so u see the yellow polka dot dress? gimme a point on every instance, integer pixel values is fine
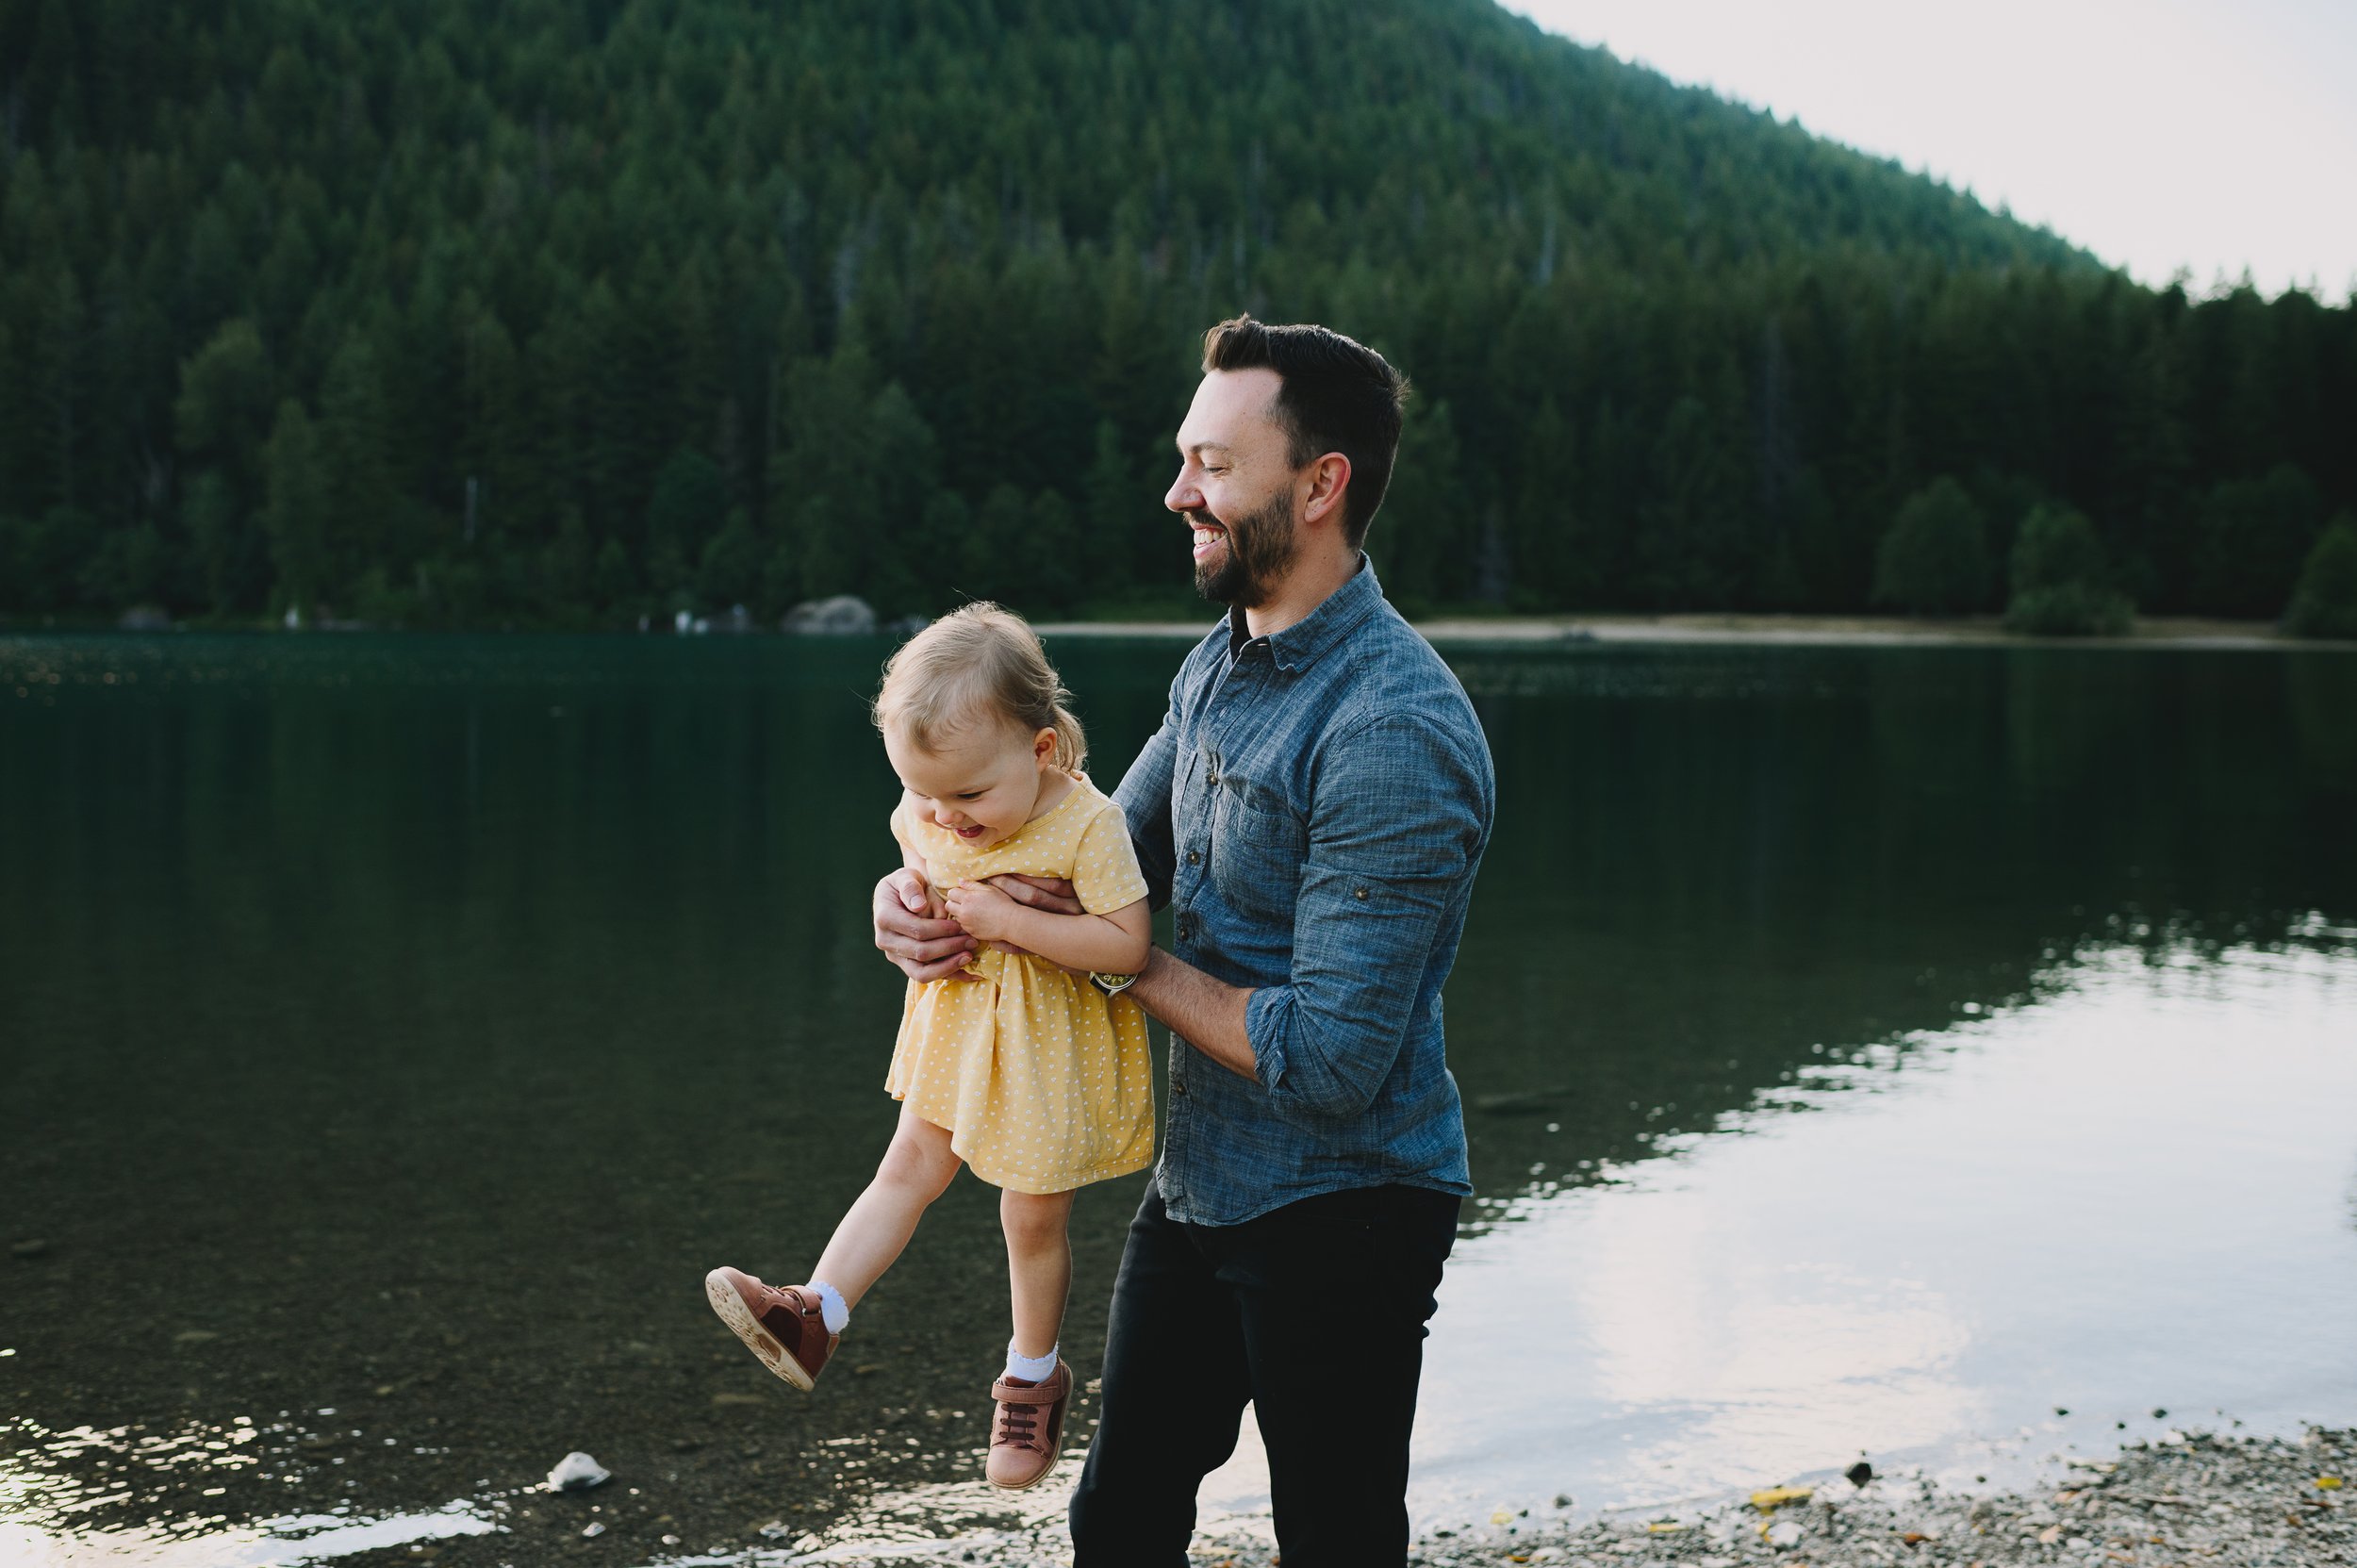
(1042, 1081)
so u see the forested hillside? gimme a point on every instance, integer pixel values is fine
(563, 312)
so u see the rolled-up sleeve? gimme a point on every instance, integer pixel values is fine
(1399, 813)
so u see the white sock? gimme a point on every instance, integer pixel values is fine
(1032, 1369)
(831, 1306)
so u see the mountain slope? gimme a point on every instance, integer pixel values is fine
(575, 312)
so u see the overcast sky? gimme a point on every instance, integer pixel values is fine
(2159, 134)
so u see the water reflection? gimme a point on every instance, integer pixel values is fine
(407, 1007)
(1808, 853)
(2064, 1207)
(58, 1480)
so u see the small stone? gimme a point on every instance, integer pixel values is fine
(578, 1472)
(1860, 1473)
(32, 1247)
(591, 1532)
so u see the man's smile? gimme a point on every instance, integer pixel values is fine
(1208, 536)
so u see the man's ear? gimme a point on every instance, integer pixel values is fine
(1330, 482)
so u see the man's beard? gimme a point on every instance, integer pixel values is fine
(1258, 550)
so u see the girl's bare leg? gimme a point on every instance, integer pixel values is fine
(916, 1168)
(1039, 1264)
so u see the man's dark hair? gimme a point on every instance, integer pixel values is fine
(1338, 396)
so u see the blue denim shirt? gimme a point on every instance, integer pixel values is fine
(1314, 807)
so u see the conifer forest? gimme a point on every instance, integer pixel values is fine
(564, 313)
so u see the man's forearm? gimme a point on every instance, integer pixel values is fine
(1205, 1012)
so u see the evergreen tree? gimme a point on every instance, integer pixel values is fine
(2325, 602)
(1423, 538)
(1935, 558)
(730, 571)
(2252, 535)
(2061, 581)
(295, 515)
(689, 504)
(353, 443)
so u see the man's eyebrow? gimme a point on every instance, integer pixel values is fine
(1200, 447)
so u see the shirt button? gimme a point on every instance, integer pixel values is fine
(1357, 891)
(1194, 857)
(1210, 780)
(1178, 1088)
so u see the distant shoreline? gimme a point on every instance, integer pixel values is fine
(1697, 628)
(1736, 629)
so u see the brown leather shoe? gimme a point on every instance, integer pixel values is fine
(1026, 1434)
(780, 1323)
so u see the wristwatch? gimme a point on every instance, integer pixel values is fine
(1112, 985)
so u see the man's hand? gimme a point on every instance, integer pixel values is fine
(921, 946)
(1052, 894)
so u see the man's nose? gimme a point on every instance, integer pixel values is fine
(1182, 496)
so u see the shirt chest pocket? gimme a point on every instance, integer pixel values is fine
(1258, 847)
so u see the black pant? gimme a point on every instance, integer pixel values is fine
(1315, 1312)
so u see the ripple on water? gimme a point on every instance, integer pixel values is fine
(62, 1494)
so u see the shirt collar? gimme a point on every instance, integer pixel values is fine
(1312, 637)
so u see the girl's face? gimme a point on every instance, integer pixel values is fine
(983, 782)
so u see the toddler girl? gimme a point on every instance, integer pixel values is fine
(1021, 1066)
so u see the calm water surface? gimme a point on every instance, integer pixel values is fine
(1881, 1051)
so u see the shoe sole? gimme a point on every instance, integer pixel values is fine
(1055, 1445)
(1026, 1486)
(760, 1341)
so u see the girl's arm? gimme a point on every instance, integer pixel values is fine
(1113, 943)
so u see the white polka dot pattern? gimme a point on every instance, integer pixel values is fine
(1044, 1083)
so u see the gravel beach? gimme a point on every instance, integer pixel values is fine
(2190, 1498)
(2206, 1498)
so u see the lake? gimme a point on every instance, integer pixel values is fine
(1943, 1054)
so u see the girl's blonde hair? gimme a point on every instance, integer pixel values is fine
(977, 662)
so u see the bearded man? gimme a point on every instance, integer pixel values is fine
(1313, 809)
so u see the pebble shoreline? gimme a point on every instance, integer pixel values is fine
(2194, 1498)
